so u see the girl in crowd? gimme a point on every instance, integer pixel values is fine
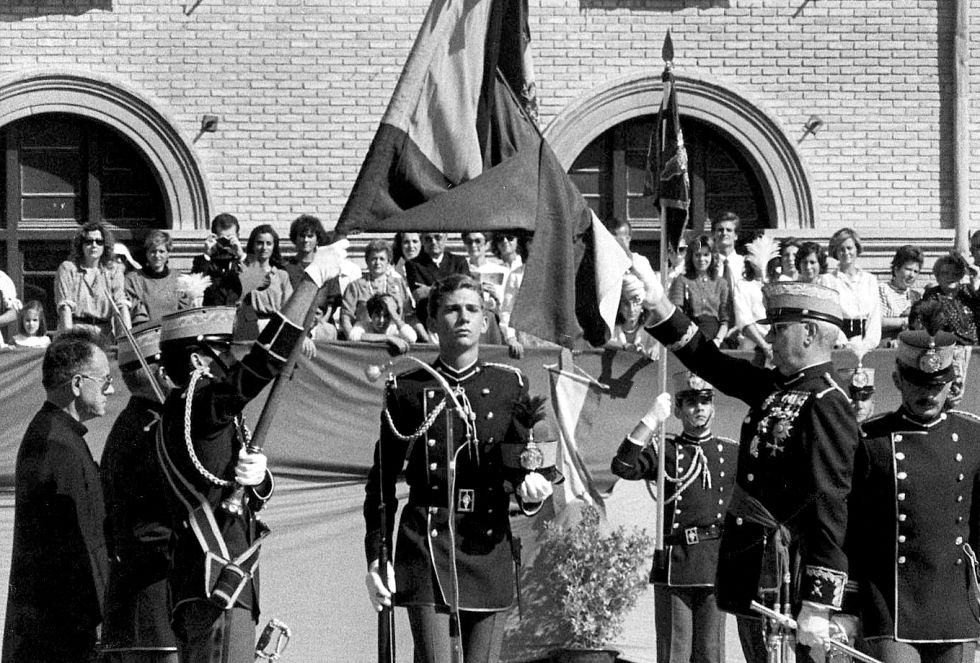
(811, 262)
(87, 285)
(263, 250)
(32, 329)
(858, 292)
(897, 295)
(702, 293)
(788, 250)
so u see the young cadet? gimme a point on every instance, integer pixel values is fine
(414, 429)
(700, 472)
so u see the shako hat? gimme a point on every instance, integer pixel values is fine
(796, 301)
(196, 325)
(924, 359)
(687, 382)
(857, 378)
(147, 337)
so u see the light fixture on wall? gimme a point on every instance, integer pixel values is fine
(209, 124)
(813, 124)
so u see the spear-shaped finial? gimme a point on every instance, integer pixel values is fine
(668, 49)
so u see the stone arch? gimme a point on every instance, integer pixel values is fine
(172, 157)
(759, 137)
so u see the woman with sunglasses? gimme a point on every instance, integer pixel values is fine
(90, 282)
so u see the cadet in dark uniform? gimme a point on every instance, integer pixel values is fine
(202, 450)
(414, 427)
(915, 515)
(795, 460)
(700, 477)
(137, 621)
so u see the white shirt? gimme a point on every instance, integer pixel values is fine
(859, 299)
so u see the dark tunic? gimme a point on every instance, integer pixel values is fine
(914, 508)
(796, 456)
(693, 519)
(138, 533)
(216, 442)
(59, 564)
(483, 536)
(422, 270)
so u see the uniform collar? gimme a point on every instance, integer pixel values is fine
(816, 370)
(917, 424)
(685, 438)
(454, 375)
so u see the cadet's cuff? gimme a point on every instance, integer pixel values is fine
(823, 586)
(279, 337)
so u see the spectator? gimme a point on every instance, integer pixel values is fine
(124, 259)
(491, 272)
(263, 250)
(380, 279)
(629, 334)
(702, 293)
(306, 232)
(153, 290)
(33, 327)
(511, 246)
(9, 304)
(623, 233)
(788, 250)
(956, 300)
(431, 265)
(407, 246)
(222, 262)
(811, 262)
(729, 264)
(858, 292)
(84, 284)
(749, 304)
(897, 295)
(384, 323)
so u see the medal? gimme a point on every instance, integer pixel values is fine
(532, 457)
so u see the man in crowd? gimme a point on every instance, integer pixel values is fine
(915, 519)
(222, 261)
(795, 461)
(724, 231)
(205, 455)
(59, 563)
(137, 618)
(426, 268)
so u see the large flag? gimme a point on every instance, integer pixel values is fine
(667, 176)
(457, 151)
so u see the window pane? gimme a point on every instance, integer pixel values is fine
(40, 208)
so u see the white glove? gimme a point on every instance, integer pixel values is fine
(653, 292)
(813, 629)
(379, 594)
(534, 488)
(327, 262)
(250, 470)
(658, 413)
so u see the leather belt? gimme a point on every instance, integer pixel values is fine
(854, 327)
(692, 536)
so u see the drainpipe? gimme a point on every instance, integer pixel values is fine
(961, 127)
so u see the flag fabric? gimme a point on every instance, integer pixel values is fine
(457, 151)
(667, 176)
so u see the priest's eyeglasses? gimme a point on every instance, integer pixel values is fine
(106, 382)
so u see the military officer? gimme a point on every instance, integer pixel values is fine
(796, 456)
(915, 515)
(415, 428)
(860, 383)
(700, 477)
(137, 621)
(203, 452)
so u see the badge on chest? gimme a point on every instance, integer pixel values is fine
(779, 413)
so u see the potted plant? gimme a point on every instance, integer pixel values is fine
(594, 577)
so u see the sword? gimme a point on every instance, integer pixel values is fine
(790, 623)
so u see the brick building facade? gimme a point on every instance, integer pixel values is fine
(117, 89)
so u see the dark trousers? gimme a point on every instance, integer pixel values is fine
(752, 636)
(208, 634)
(690, 627)
(482, 634)
(887, 650)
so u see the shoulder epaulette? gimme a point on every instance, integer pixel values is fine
(507, 367)
(726, 440)
(833, 387)
(968, 415)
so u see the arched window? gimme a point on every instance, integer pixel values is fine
(60, 171)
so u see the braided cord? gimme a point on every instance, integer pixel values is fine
(188, 399)
(422, 429)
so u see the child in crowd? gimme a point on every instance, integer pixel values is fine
(384, 322)
(32, 327)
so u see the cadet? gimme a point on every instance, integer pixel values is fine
(203, 452)
(413, 428)
(915, 519)
(700, 476)
(137, 620)
(796, 456)
(860, 384)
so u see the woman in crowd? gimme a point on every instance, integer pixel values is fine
(152, 290)
(263, 250)
(811, 262)
(88, 284)
(858, 292)
(629, 333)
(897, 295)
(32, 329)
(788, 249)
(956, 301)
(379, 280)
(510, 246)
(306, 232)
(407, 246)
(702, 293)
(749, 305)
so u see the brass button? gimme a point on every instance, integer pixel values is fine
(677, 525)
(902, 476)
(902, 517)
(680, 456)
(720, 447)
(901, 559)
(721, 460)
(899, 456)
(489, 415)
(955, 436)
(431, 394)
(721, 503)
(959, 498)
(434, 533)
(959, 562)
(433, 510)
(677, 511)
(959, 458)
(489, 532)
(739, 521)
(433, 466)
(718, 516)
(958, 541)
(901, 497)
(485, 391)
(898, 438)
(750, 477)
(721, 474)
(959, 519)
(721, 489)
(959, 477)
(901, 538)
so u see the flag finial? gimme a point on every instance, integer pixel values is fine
(668, 49)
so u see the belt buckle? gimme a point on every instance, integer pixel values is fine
(691, 536)
(466, 501)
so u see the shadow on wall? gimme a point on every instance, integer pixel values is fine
(660, 6)
(19, 10)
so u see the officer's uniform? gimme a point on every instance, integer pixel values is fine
(480, 499)
(137, 620)
(915, 520)
(214, 606)
(700, 477)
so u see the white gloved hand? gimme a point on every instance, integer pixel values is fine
(327, 262)
(813, 629)
(250, 470)
(534, 488)
(379, 594)
(658, 413)
(653, 292)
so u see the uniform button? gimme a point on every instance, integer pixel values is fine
(721, 503)
(721, 474)
(901, 559)
(959, 498)
(955, 436)
(959, 458)
(677, 525)
(489, 415)
(902, 517)
(434, 533)
(899, 456)
(431, 442)
(959, 519)
(739, 521)
(902, 475)
(433, 466)
(680, 456)
(901, 538)
(747, 420)
(720, 448)
(959, 562)
(901, 497)
(721, 489)
(898, 438)
(718, 516)
(434, 487)
(721, 460)
(489, 532)
(750, 477)
(432, 394)
(485, 391)
(958, 541)
(677, 511)
(680, 498)
(489, 510)
(433, 510)
(959, 477)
